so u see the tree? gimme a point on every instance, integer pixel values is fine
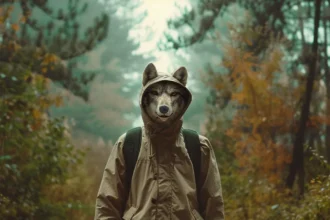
(297, 164)
(59, 33)
(34, 149)
(114, 91)
(284, 19)
(255, 149)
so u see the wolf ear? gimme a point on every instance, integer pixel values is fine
(182, 75)
(149, 73)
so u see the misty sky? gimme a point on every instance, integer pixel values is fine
(152, 29)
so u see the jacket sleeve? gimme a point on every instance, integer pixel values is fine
(110, 201)
(210, 194)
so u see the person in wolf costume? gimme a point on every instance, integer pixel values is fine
(163, 184)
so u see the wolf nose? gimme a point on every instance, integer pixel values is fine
(163, 109)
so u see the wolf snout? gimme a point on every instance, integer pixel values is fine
(164, 109)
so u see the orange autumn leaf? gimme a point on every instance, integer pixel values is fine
(36, 113)
(49, 59)
(44, 70)
(15, 27)
(23, 19)
(58, 101)
(263, 106)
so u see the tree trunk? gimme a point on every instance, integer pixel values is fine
(301, 25)
(327, 127)
(327, 85)
(297, 164)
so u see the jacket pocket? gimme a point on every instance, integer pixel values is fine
(129, 214)
(197, 215)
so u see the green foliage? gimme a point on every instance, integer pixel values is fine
(254, 139)
(78, 193)
(315, 205)
(108, 116)
(34, 150)
(249, 198)
(57, 28)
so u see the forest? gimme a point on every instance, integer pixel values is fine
(259, 72)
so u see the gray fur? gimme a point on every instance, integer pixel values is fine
(182, 75)
(149, 73)
(167, 94)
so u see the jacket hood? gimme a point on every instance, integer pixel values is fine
(151, 77)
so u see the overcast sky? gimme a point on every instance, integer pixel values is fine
(152, 29)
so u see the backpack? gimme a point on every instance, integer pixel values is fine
(132, 146)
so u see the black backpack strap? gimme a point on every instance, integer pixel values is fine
(131, 149)
(192, 143)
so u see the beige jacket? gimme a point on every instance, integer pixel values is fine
(163, 183)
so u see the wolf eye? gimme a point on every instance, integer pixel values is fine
(174, 93)
(153, 92)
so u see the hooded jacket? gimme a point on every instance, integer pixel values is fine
(163, 182)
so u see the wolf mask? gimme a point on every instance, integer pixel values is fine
(164, 99)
